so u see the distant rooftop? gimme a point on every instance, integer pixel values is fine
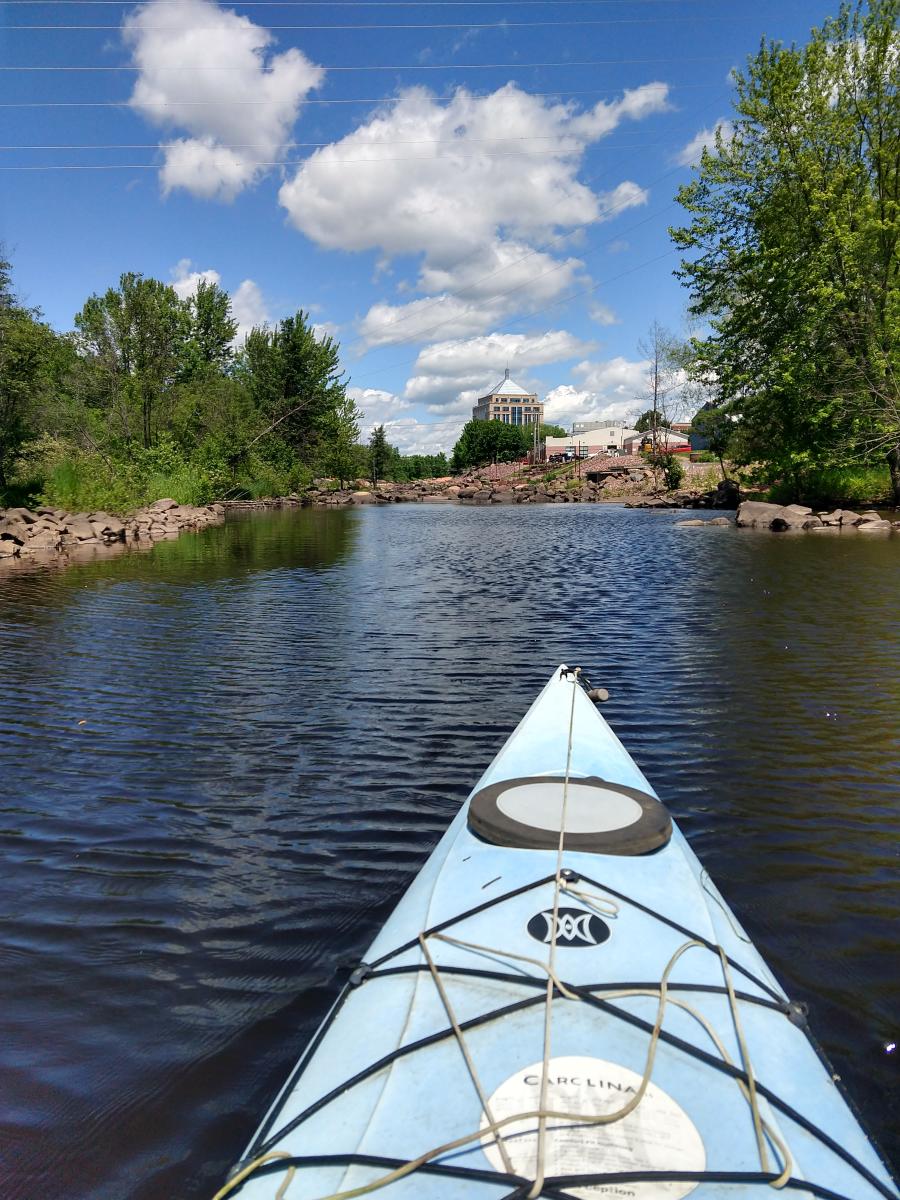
(508, 387)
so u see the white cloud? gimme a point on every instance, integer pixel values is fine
(412, 436)
(705, 139)
(609, 390)
(186, 281)
(204, 70)
(449, 376)
(324, 329)
(248, 308)
(472, 295)
(465, 186)
(377, 407)
(603, 314)
(465, 200)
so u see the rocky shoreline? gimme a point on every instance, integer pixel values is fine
(44, 531)
(29, 533)
(779, 518)
(622, 485)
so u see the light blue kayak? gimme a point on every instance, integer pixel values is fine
(561, 1005)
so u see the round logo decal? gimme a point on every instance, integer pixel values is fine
(574, 927)
(657, 1136)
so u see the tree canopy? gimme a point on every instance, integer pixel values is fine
(792, 249)
(482, 442)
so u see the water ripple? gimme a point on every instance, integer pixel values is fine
(222, 761)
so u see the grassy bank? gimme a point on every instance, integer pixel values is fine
(835, 486)
(54, 473)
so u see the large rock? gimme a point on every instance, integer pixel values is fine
(728, 494)
(42, 542)
(362, 498)
(878, 526)
(756, 514)
(162, 505)
(8, 547)
(23, 515)
(504, 497)
(13, 529)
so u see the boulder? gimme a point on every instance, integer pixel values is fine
(689, 524)
(23, 515)
(78, 529)
(878, 526)
(467, 493)
(727, 494)
(718, 521)
(362, 498)
(8, 548)
(17, 531)
(162, 505)
(42, 541)
(756, 514)
(504, 498)
(832, 518)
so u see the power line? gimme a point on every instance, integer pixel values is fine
(518, 66)
(381, 25)
(343, 100)
(288, 162)
(361, 3)
(467, 141)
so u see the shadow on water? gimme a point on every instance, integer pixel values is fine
(223, 760)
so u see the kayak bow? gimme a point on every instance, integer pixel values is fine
(561, 1005)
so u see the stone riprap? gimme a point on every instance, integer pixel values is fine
(755, 514)
(530, 486)
(28, 532)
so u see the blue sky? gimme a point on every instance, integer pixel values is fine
(484, 184)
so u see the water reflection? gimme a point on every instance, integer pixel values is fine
(223, 760)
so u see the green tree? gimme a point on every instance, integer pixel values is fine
(645, 421)
(482, 442)
(209, 348)
(717, 428)
(294, 379)
(793, 249)
(553, 431)
(342, 456)
(30, 359)
(134, 337)
(379, 454)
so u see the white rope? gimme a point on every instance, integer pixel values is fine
(461, 1042)
(538, 1184)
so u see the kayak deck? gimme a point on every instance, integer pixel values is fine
(442, 1037)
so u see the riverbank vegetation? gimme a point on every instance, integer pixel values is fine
(149, 396)
(792, 255)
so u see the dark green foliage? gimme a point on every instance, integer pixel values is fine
(483, 442)
(408, 467)
(644, 423)
(379, 454)
(717, 427)
(793, 251)
(147, 399)
(211, 332)
(553, 431)
(669, 466)
(31, 362)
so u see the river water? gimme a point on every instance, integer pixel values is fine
(222, 761)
